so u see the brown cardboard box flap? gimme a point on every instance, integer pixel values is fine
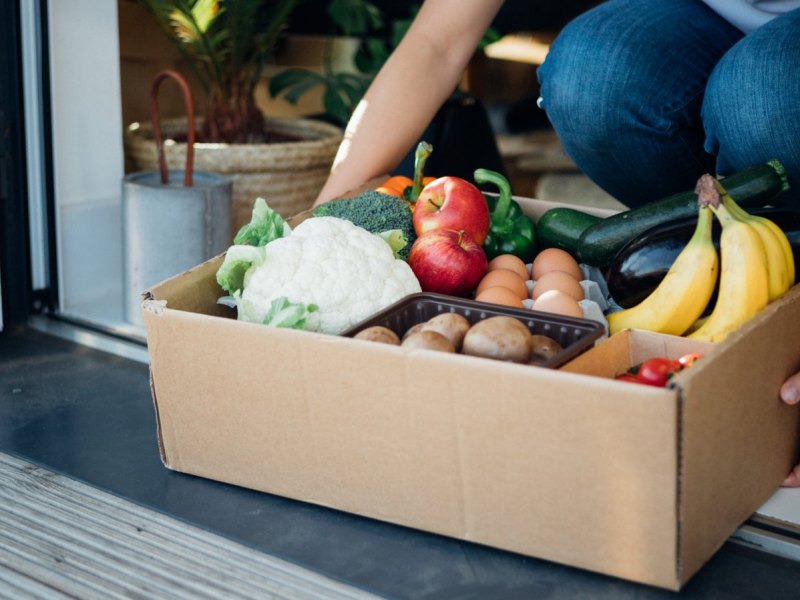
(738, 440)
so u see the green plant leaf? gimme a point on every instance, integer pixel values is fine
(371, 54)
(293, 95)
(204, 13)
(351, 86)
(297, 81)
(288, 78)
(490, 37)
(401, 26)
(355, 17)
(335, 106)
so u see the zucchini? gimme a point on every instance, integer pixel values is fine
(641, 265)
(562, 227)
(753, 187)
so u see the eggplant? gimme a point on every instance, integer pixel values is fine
(642, 263)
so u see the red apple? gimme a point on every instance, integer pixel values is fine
(452, 203)
(448, 262)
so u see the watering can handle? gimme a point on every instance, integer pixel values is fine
(187, 97)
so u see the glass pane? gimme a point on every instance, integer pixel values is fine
(88, 159)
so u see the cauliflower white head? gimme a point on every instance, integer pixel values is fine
(342, 271)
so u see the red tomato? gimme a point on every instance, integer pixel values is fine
(657, 371)
(629, 377)
(689, 359)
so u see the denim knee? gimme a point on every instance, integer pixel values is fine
(569, 80)
(751, 111)
(623, 85)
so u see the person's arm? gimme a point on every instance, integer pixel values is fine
(411, 86)
(790, 393)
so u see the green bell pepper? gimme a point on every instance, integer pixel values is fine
(511, 231)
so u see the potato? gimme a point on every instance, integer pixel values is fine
(378, 333)
(451, 325)
(413, 329)
(501, 338)
(543, 348)
(428, 340)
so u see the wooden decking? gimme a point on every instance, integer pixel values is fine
(60, 538)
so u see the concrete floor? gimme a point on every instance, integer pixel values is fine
(88, 416)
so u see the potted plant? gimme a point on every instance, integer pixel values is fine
(226, 44)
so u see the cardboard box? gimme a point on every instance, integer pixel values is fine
(566, 465)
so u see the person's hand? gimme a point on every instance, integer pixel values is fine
(410, 87)
(790, 393)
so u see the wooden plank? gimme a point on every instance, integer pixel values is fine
(62, 538)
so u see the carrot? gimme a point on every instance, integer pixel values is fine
(395, 185)
(404, 187)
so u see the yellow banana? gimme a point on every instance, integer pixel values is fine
(696, 325)
(744, 282)
(780, 260)
(683, 294)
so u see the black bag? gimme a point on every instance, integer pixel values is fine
(462, 138)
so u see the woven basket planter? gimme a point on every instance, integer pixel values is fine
(287, 175)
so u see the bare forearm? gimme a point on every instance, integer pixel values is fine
(413, 84)
(386, 123)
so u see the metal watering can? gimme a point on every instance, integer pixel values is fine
(169, 227)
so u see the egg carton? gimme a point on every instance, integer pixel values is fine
(597, 300)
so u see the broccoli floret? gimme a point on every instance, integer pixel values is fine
(375, 212)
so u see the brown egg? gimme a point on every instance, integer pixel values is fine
(559, 303)
(510, 262)
(555, 259)
(505, 278)
(500, 295)
(558, 280)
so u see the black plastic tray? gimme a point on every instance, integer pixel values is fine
(573, 334)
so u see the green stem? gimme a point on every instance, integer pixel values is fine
(421, 155)
(504, 200)
(781, 172)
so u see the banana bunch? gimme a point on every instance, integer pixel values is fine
(757, 263)
(757, 267)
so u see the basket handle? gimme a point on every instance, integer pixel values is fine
(187, 98)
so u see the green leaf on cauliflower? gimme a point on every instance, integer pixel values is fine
(238, 259)
(292, 315)
(265, 225)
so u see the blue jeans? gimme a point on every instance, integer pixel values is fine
(647, 95)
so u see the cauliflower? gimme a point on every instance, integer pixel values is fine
(328, 274)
